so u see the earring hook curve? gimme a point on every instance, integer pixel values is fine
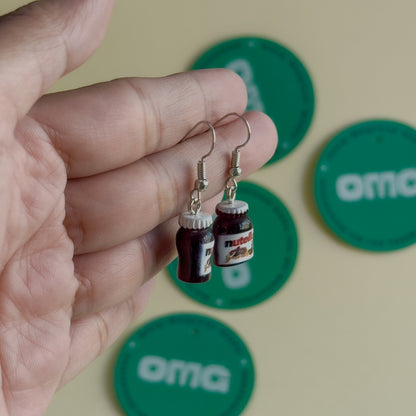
(213, 135)
(201, 184)
(245, 122)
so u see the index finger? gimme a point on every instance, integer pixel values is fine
(106, 126)
(41, 42)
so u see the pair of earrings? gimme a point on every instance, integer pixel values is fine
(231, 236)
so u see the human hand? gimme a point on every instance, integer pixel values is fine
(91, 181)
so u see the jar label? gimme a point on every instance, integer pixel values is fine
(205, 259)
(234, 248)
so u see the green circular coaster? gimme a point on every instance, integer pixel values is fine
(365, 185)
(184, 364)
(277, 84)
(275, 252)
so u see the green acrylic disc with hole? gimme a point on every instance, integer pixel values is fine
(184, 364)
(365, 185)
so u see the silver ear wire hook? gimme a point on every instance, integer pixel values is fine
(201, 184)
(245, 122)
(214, 136)
(235, 170)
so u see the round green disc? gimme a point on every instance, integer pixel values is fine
(275, 252)
(277, 84)
(365, 185)
(184, 364)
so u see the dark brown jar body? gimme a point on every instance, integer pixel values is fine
(194, 254)
(233, 237)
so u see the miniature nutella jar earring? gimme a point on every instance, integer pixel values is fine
(233, 229)
(194, 239)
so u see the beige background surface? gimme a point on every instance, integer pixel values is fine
(340, 338)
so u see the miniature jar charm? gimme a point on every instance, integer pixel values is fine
(233, 232)
(194, 239)
(232, 228)
(195, 244)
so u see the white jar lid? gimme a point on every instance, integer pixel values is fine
(195, 221)
(233, 207)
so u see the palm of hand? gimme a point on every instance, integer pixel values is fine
(81, 236)
(37, 282)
